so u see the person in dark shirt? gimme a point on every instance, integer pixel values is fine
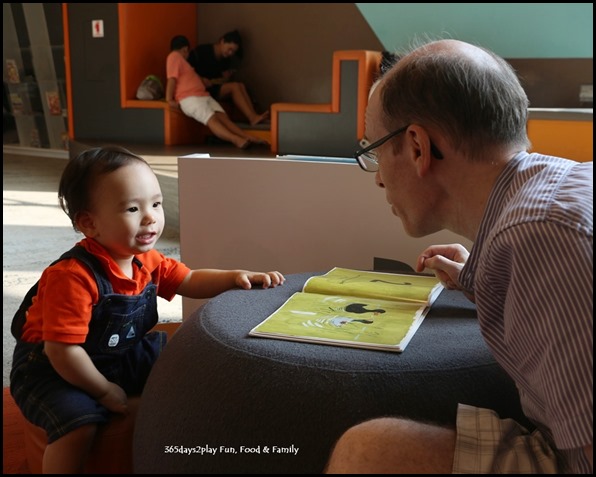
(214, 63)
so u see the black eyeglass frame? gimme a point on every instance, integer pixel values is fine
(358, 154)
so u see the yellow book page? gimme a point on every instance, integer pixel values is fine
(388, 286)
(347, 320)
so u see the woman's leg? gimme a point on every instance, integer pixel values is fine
(234, 128)
(237, 91)
(219, 124)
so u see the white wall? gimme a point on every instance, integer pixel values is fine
(287, 215)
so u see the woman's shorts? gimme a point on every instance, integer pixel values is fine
(486, 444)
(200, 108)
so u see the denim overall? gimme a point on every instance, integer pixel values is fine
(119, 344)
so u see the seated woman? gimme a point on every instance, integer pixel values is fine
(213, 63)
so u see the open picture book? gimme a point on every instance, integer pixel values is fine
(354, 308)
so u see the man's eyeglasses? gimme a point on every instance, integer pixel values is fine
(367, 158)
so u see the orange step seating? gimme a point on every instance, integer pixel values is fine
(145, 31)
(334, 129)
(180, 129)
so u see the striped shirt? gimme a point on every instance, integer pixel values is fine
(531, 271)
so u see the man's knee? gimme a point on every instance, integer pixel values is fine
(363, 444)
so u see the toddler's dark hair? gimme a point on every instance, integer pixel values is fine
(79, 175)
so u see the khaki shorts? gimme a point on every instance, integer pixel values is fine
(200, 108)
(486, 444)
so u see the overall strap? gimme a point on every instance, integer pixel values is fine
(80, 253)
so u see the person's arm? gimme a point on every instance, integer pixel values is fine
(207, 82)
(545, 294)
(73, 364)
(227, 75)
(170, 91)
(207, 283)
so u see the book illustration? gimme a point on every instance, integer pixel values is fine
(12, 72)
(332, 318)
(323, 313)
(53, 100)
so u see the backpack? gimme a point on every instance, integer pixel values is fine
(150, 88)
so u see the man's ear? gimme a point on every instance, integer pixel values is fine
(86, 224)
(419, 140)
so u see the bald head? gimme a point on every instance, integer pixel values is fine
(453, 47)
(469, 93)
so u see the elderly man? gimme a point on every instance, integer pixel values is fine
(447, 126)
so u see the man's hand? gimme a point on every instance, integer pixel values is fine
(446, 261)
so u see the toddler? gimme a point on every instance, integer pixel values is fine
(83, 331)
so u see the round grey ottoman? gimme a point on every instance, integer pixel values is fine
(219, 401)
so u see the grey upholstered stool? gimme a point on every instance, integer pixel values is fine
(215, 390)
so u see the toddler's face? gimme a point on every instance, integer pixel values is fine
(127, 210)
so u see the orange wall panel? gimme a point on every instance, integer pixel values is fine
(569, 139)
(68, 72)
(145, 32)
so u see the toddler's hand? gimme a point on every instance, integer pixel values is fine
(115, 399)
(246, 279)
